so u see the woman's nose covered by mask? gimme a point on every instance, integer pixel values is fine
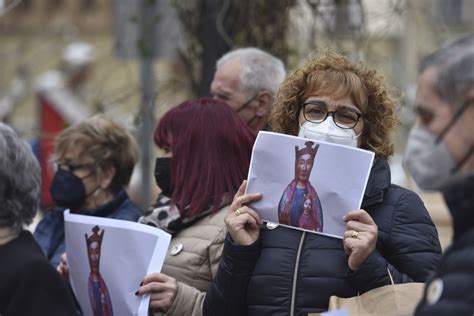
(163, 175)
(67, 189)
(328, 131)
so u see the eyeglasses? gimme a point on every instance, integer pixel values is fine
(317, 112)
(72, 167)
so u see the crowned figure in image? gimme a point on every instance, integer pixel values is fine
(300, 193)
(98, 293)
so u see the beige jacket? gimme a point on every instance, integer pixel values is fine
(193, 258)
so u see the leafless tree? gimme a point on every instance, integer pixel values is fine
(213, 27)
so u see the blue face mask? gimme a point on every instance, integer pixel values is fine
(67, 189)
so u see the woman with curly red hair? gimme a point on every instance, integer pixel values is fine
(276, 270)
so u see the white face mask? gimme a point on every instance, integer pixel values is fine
(430, 164)
(328, 131)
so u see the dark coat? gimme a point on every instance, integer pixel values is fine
(291, 272)
(451, 290)
(29, 285)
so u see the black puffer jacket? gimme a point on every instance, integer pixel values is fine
(451, 290)
(290, 272)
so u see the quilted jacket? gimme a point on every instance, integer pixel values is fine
(451, 289)
(291, 272)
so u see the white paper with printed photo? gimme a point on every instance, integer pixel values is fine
(108, 259)
(335, 184)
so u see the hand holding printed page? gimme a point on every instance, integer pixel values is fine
(307, 184)
(108, 258)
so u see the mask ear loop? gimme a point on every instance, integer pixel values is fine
(440, 137)
(456, 117)
(94, 192)
(243, 106)
(462, 161)
(97, 188)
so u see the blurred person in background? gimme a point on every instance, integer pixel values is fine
(65, 85)
(95, 159)
(277, 270)
(14, 94)
(247, 79)
(440, 156)
(207, 154)
(425, 170)
(61, 102)
(28, 283)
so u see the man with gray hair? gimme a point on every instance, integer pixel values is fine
(247, 79)
(433, 111)
(29, 285)
(442, 146)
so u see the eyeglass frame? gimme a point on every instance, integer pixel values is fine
(315, 102)
(73, 167)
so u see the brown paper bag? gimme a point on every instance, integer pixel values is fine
(388, 300)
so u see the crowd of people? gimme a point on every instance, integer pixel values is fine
(223, 259)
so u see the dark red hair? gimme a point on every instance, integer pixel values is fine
(211, 149)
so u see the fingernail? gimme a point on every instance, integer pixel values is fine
(344, 218)
(136, 293)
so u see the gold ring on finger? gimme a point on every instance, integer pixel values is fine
(237, 212)
(355, 234)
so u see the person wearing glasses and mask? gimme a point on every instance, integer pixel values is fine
(276, 270)
(95, 159)
(247, 80)
(441, 149)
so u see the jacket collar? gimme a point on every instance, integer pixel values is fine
(379, 180)
(106, 209)
(460, 200)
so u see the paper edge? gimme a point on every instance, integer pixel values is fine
(160, 234)
(365, 151)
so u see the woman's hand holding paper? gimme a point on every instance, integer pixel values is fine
(243, 222)
(162, 289)
(360, 237)
(63, 268)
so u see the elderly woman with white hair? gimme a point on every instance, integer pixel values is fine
(29, 284)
